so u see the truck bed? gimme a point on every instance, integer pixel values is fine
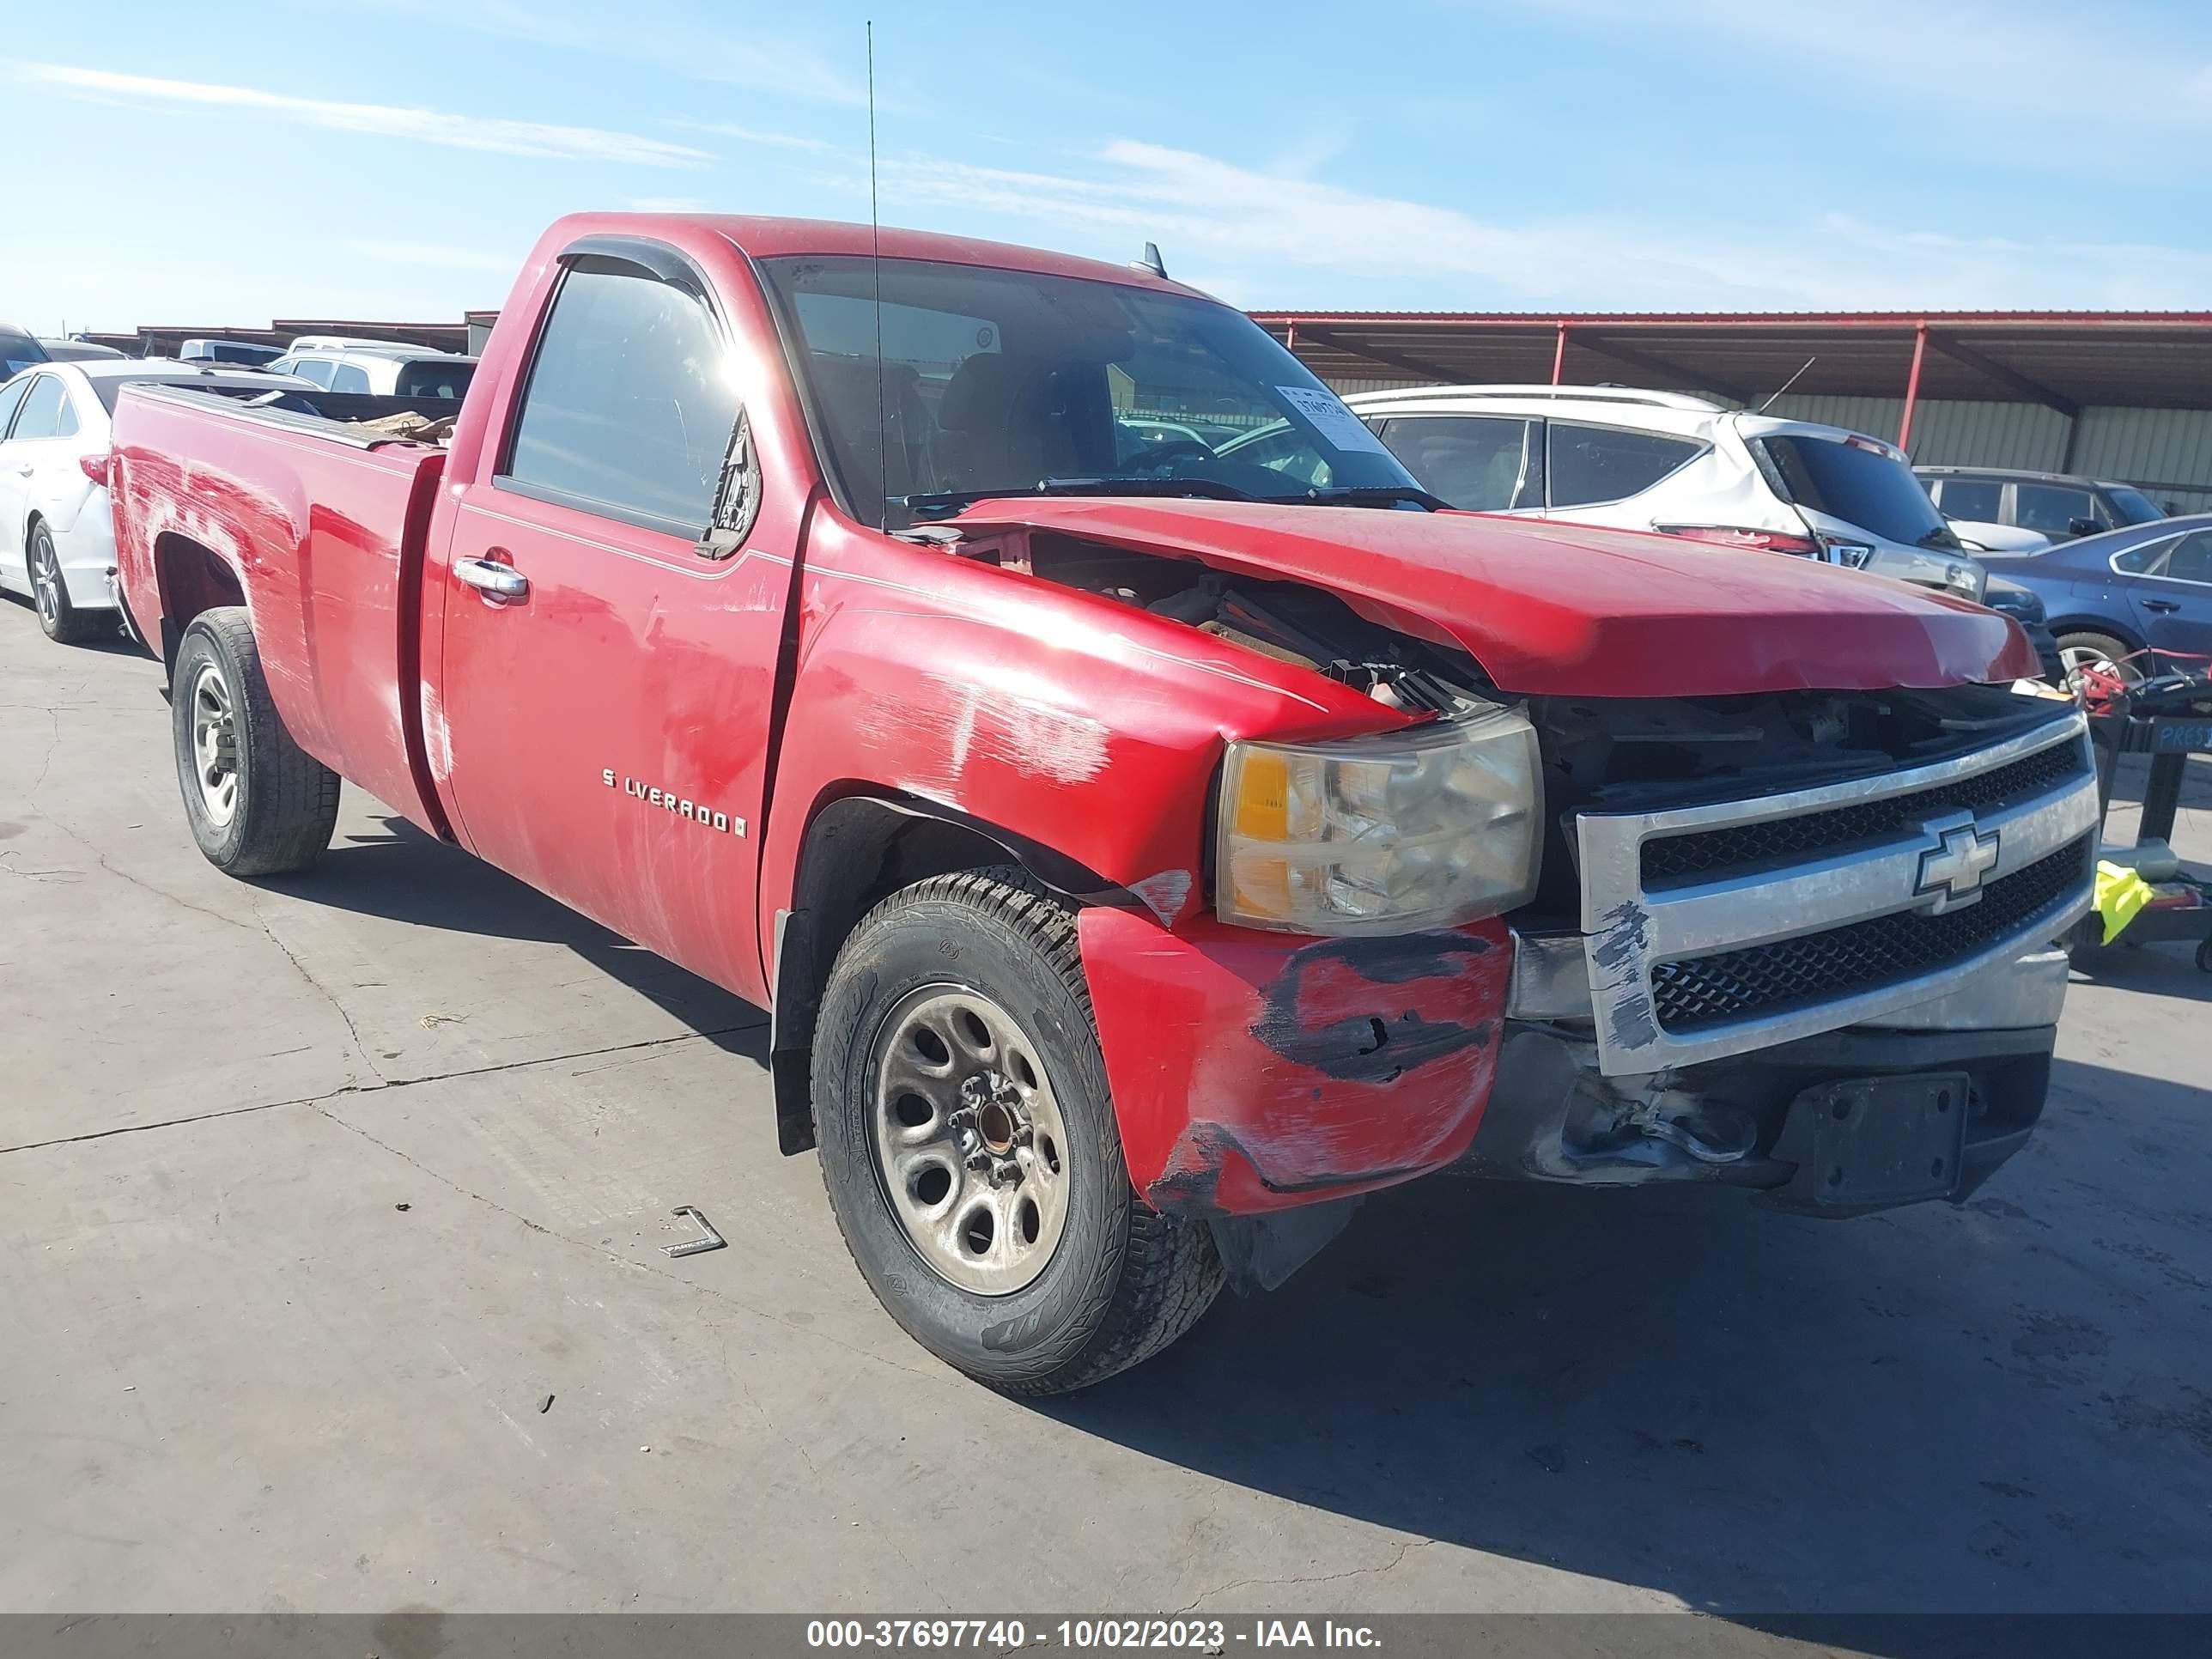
(322, 522)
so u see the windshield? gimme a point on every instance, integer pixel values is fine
(18, 351)
(2133, 506)
(998, 381)
(1861, 487)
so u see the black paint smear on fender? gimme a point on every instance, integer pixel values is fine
(1369, 1048)
(1189, 1187)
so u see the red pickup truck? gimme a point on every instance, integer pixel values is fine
(1152, 822)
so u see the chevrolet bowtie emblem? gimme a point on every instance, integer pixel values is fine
(1951, 872)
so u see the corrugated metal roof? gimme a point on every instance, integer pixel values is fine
(2063, 360)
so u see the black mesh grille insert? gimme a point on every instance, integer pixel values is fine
(1769, 979)
(1812, 834)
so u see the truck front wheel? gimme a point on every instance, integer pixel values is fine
(257, 802)
(969, 1148)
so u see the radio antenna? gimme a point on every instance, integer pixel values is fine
(876, 270)
(1779, 390)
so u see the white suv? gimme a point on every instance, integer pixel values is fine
(1666, 461)
(386, 367)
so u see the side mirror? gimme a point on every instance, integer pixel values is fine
(2081, 526)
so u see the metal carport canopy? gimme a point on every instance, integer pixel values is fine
(2065, 360)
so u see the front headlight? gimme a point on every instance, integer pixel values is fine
(1426, 828)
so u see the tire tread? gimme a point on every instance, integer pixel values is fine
(290, 798)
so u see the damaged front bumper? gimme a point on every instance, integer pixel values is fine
(1925, 1103)
(1253, 1073)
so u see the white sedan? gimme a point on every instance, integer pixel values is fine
(57, 539)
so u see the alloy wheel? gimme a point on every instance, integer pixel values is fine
(968, 1141)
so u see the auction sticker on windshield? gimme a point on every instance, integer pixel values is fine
(1328, 416)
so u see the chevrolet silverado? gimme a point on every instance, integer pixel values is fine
(1146, 848)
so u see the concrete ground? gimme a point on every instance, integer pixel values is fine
(316, 1192)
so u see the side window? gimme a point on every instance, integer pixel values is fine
(11, 400)
(2192, 559)
(42, 416)
(2050, 508)
(2146, 559)
(66, 423)
(1477, 462)
(1591, 464)
(317, 369)
(347, 377)
(1976, 499)
(628, 409)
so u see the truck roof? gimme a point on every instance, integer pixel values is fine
(765, 238)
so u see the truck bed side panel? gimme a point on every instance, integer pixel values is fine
(324, 537)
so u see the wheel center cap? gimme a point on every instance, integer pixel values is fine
(997, 1108)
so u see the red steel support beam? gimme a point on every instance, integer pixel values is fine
(1913, 385)
(1559, 356)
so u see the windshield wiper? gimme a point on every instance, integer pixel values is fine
(1365, 496)
(943, 503)
(1941, 538)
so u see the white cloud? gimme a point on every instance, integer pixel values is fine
(756, 136)
(379, 120)
(1293, 240)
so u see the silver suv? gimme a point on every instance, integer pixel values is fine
(1683, 465)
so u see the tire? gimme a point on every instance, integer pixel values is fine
(259, 804)
(2076, 647)
(61, 621)
(1117, 1282)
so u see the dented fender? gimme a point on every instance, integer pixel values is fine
(1254, 1072)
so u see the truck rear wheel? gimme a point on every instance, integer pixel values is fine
(257, 802)
(969, 1148)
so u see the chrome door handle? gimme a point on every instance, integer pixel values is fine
(499, 581)
(24, 472)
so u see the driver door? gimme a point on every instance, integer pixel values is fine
(608, 668)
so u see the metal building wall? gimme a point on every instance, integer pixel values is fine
(1948, 434)
(2168, 446)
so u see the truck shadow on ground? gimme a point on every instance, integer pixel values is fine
(1996, 1407)
(404, 875)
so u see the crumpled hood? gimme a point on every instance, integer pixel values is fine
(1552, 609)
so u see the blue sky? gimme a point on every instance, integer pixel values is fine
(228, 162)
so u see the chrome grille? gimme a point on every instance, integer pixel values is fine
(1811, 968)
(1682, 858)
(1784, 916)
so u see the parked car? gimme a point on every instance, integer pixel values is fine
(2026, 607)
(79, 351)
(241, 352)
(1992, 505)
(377, 369)
(18, 351)
(56, 544)
(1142, 859)
(2111, 595)
(1670, 462)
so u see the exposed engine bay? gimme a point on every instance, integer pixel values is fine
(1287, 620)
